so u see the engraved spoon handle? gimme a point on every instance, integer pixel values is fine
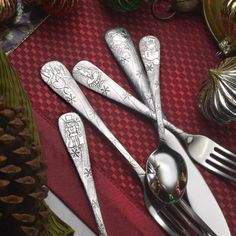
(149, 47)
(122, 47)
(73, 133)
(96, 80)
(59, 79)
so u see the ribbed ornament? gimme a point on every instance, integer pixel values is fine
(217, 100)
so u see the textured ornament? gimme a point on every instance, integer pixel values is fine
(123, 5)
(220, 16)
(217, 100)
(7, 9)
(59, 7)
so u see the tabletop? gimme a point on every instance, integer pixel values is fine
(188, 51)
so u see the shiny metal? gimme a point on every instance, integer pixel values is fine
(217, 96)
(121, 45)
(166, 170)
(73, 133)
(196, 179)
(221, 21)
(59, 79)
(85, 71)
(120, 95)
(141, 86)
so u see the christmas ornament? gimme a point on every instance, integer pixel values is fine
(123, 5)
(163, 10)
(7, 9)
(217, 100)
(220, 16)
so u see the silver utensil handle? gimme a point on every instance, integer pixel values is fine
(95, 79)
(121, 45)
(73, 133)
(149, 47)
(56, 75)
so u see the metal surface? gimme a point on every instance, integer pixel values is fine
(72, 131)
(220, 18)
(121, 45)
(217, 99)
(192, 215)
(59, 79)
(165, 168)
(56, 75)
(120, 95)
(199, 207)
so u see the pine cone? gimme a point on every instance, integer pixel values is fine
(22, 177)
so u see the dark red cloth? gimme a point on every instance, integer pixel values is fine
(187, 53)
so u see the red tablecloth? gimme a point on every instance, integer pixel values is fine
(187, 53)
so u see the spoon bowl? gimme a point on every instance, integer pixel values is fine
(166, 169)
(166, 174)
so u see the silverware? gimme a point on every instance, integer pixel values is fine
(61, 82)
(59, 79)
(187, 209)
(166, 170)
(193, 183)
(72, 131)
(109, 88)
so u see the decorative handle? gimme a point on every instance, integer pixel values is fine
(95, 79)
(56, 75)
(72, 131)
(149, 47)
(121, 45)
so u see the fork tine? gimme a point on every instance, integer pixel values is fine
(224, 150)
(185, 219)
(219, 172)
(218, 163)
(220, 154)
(195, 217)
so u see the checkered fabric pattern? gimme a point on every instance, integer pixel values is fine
(187, 53)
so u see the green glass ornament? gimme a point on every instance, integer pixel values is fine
(123, 5)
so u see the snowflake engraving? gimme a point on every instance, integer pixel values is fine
(88, 172)
(105, 90)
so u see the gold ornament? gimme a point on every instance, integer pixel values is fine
(7, 9)
(220, 16)
(217, 100)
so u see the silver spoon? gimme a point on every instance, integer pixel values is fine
(166, 169)
(73, 133)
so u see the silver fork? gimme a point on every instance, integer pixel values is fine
(200, 148)
(60, 81)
